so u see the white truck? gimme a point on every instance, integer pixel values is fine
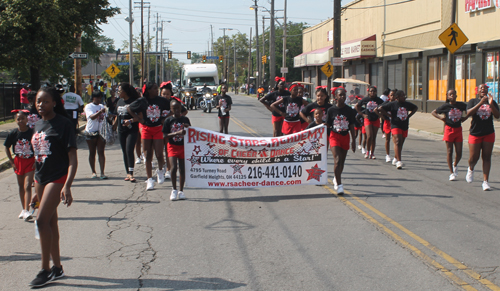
(196, 75)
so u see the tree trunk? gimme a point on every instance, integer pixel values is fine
(35, 78)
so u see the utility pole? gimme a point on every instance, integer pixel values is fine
(78, 66)
(249, 61)
(156, 55)
(148, 46)
(224, 62)
(143, 69)
(284, 41)
(272, 48)
(234, 73)
(211, 41)
(257, 83)
(131, 47)
(337, 71)
(161, 55)
(263, 49)
(451, 57)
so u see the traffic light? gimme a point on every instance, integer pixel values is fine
(264, 59)
(204, 58)
(169, 55)
(221, 59)
(189, 55)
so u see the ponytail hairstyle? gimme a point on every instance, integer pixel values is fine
(130, 91)
(148, 86)
(56, 97)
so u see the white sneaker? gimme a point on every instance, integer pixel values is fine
(181, 196)
(359, 147)
(363, 151)
(453, 177)
(150, 184)
(387, 159)
(335, 186)
(173, 195)
(21, 215)
(367, 155)
(455, 171)
(160, 176)
(394, 162)
(167, 175)
(27, 216)
(486, 186)
(470, 176)
(383, 135)
(340, 189)
(399, 165)
(138, 161)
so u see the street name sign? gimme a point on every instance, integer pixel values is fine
(79, 55)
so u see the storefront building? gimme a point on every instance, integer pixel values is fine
(397, 46)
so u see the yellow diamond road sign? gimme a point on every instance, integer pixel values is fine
(453, 38)
(112, 70)
(327, 69)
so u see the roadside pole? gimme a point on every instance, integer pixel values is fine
(337, 71)
(78, 66)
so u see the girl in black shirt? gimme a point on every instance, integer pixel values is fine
(278, 93)
(482, 133)
(366, 107)
(451, 114)
(292, 105)
(321, 103)
(54, 145)
(224, 103)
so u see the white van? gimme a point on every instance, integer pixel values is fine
(195, 75)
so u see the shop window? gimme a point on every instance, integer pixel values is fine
(465, 77)
(438, 78)
(394, 74)
(493, 74)
(376, 76)
(414, 79)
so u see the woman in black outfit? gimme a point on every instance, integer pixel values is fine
(128, 128)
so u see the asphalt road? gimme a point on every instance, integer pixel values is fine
(407, 229)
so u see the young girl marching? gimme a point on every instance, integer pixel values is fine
(292, 105)
(321, 102)
(174, 129)
(279, 92)
(386, 128)
(340, 118)
(482, 133)
(24, 162)
(224, 103)
(451, 114)
(54, 145)
(400, 112)
(366, 107)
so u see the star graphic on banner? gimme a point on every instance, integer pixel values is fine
(210, 152)
(317, 146)
(263, 153)
(302, 143)
(314, 173)
(237, 168)
(210, 145)
(197, 149)
(194, 160)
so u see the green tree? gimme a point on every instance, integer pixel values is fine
(240, 41)
(37, 35)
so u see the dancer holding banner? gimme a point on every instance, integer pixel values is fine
(340, 118)
(174, 129)
(224, 103)
(291, 123)
(279, 92)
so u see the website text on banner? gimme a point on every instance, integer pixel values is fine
(216, 160)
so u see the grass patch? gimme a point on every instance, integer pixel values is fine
(7, 121)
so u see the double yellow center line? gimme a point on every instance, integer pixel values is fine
(414, 250)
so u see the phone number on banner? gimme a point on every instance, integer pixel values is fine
(275, 172)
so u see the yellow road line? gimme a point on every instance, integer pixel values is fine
(402, 241)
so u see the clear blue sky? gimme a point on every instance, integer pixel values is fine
(190, 19)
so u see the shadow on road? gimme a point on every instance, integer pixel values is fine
(26, 257)
(265, 198)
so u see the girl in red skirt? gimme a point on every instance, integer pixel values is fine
(292, 105)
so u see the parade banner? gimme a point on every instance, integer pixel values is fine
(216, 160)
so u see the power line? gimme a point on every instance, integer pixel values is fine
(368, 7)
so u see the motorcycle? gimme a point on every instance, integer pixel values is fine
(189, 97)
(206, 102)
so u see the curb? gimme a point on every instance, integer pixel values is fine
(5, 163)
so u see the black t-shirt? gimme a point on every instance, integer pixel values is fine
(368, 106)
(153, 110)
(226, 101)
(482, 122)
(51, 141)
(122, 114)
(292, 108)
(275, 96)
(112, 104)
(311, 107)
(33, 117)
(20, 143)
(399, 113)
(340, 119)
(173, 124)
(453, 113)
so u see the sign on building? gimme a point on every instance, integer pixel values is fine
(359, 48)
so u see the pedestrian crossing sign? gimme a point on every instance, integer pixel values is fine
(327, 69)
(453, 38)
(112, 70)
